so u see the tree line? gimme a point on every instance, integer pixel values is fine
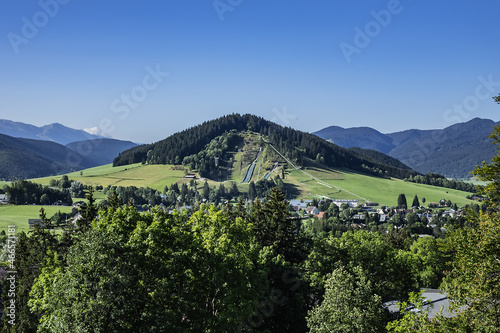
(23, 192)
(435, 179)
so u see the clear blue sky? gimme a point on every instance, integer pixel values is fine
(303, 64)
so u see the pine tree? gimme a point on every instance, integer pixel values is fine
(415, 203)
(206, 190)
(88, 212)
(402, 203)
(252, 192)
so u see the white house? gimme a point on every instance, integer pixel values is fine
(4, 199)
(351, 203)
(312, 210)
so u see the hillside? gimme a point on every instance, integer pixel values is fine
(100, 151)
(334, 183)
(363, 137)
(28, 158)
(295, 145)
(53, 132)
(453, 151)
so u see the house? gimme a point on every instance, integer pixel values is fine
(4, 199)
(312, 210)
(190, 176)
(35, 223)
(450, 212)
(298, 204)
(74, 222)
(351, 203)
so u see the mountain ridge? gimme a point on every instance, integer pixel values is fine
(52, 132)
(30, 158)
(453, 151)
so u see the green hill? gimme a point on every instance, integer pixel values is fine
(293, 144)
(27, 158)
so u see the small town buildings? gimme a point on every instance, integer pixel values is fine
(312, 210)
(351, 203)
(298, 204)
(34, 223)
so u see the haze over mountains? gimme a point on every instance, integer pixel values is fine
(453, 151)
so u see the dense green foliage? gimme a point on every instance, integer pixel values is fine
(22, 192)
(214, 158)
(295, 145)
(246, 269)
(380, 157)
(438, 180)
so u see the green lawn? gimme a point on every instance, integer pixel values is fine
(19, 215)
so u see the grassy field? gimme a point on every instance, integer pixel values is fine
(154, 176)
(350, 185)
(19, 215)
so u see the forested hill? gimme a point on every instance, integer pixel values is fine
(294, 144)
(453, 151)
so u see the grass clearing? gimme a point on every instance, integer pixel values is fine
(19, 215)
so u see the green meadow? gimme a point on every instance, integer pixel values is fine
(154, 176)
(346, 184)
(19, 215)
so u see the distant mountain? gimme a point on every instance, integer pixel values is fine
(194, 146)
(27, 158)
(53, 132)
(453, 151)
(100, 151)
(28, 151)
(363, 137)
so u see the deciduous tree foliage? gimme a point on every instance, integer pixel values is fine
(152, 272)
(351, 304)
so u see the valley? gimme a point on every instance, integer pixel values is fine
(249, 150)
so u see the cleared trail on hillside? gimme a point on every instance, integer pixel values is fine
(250, 170)
(317, 179)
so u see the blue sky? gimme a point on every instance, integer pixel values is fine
(391, 65)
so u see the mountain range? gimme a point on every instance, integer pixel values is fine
(28, 151)
(453, 151)
(53, 132)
